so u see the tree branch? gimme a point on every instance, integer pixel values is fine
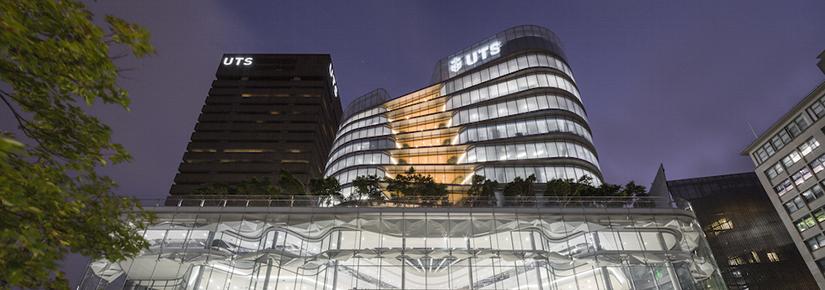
(22, 122)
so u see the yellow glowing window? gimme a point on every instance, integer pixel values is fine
(294, 151)
(773, 257)
(245, 150)
(735, 261)
(755, 257)
(204, 150)
(722, 224)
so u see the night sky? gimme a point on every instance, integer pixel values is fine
(662, 81)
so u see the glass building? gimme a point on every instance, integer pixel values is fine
(266, 244)
(744, 232)
(506, 106)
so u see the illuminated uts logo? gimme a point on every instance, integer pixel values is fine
(334, 83)
(473, 57)
(245, 61)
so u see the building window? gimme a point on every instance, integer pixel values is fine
(818, 164)
(808, 146)
(817, 110)
(816, 242)
(755, 258)
(783, 187)
(722, 224)
(811, 194)
(735, 261)
(820, 215)
(780, 139)
(805, 223)
(801, 176)
(774, 171)
(791, 159)
(773, 257)
(795, 204)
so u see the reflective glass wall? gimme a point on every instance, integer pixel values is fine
(397, 248)
(514, 88)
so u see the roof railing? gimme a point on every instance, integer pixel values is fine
(292, 201)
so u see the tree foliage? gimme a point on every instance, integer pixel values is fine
(520, 187)
(565, 190)
(54, 63)
(290, 184)
(328, 189)
(481, 191)
(368, 188)
(418, 186)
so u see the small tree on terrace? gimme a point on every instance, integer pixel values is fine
(481, 188)
(289, 184)
(369, 188)
(328, 189)
(520, 188)
(418, 186)
(565, 190)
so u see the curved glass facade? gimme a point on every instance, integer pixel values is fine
(402, 248)
(513, 87)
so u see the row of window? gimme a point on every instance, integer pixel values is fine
(519, 84)
(362, 133)
(529, 151)
(519, 106)
(347, 176)
(361, 146)
(361, 124)
(526, 127)
(542, 173)
(359, 159)
(364, 114)
(810, 220)
(800, 176)
(806, 197)
(797, 178)
(779, 140)
(794, 156)
(505, 68)
(817, 109)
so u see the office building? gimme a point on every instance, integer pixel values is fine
(514, 86)
(789, 162)
(752, 247)
(264, 113)
(507, 106)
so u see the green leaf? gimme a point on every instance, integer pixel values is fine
(54, 62)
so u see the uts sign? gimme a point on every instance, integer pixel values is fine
(237, 61)
(334, 83)
(474, 56)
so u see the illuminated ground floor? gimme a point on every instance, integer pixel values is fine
(416, 248)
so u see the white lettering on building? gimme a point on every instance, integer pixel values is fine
(238, 60)
(473, 57)
(334, 83)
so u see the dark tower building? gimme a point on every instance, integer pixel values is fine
(744, 232)
(264, 113)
